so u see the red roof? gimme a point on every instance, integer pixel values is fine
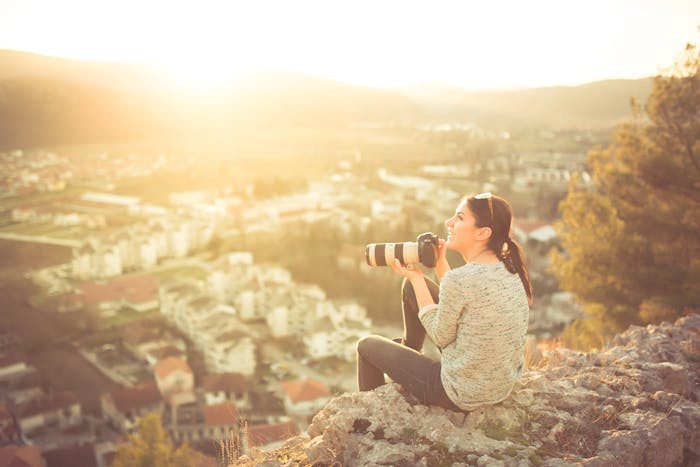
(50, 403)
(529, 225)
(21, 456)
(229, 382)
(220, 414)
(299, 390)
(134, 289)
(136, 397)
(169, 365)
(260, 435)
(83, 456)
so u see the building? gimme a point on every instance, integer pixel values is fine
(231, 352)
(13, 363)
(21, 386)
(196, 422)
(175, 380)
(51, 412)
(123, 408)
(304, 397)
(269, 436)
(226, 387)
(220, 420)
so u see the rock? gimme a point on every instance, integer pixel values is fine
(689, 416)
(318, 452)
(634, 403)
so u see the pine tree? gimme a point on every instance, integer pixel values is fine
(631, 243)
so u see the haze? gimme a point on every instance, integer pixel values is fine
(469, 44)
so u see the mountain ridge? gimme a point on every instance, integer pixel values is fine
(43, 101)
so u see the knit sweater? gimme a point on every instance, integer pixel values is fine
(480, 324)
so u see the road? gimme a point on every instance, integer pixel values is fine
(39, 239)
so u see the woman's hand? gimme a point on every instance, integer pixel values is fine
(441, 265)
(410, 271)
(441, 251)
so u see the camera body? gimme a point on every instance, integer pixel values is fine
(423, 250)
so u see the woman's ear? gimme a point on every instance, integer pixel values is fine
(484, 233)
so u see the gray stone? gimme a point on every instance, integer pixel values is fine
(623, 406)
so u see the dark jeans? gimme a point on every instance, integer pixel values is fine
(403, 362)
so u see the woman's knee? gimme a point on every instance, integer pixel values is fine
(407, 292)
(368, 344)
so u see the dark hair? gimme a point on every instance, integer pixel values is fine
(500, 241)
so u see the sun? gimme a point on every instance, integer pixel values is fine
(203, 72)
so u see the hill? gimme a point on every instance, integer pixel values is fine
(49, 100)
(599, 104)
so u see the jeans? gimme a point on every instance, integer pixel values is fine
(403, 362)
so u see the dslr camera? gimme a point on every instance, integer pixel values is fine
(423, 250)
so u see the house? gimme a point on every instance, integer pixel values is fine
(51, 412)
(151, 342)
(226, 387)
(174, 296)
(194, 422)
(269, 436)
(175, 380)
(123, 408)
(21, 456)
(95, 259)
(21, 386)
(13, 363)
(278, 321)
(537, 231)
(532, 177)
(340, 343)
(231, 352)
(220, 420)
(304, 397)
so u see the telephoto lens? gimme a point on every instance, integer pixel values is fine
(423, 250)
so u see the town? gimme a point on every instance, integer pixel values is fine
(228, 309)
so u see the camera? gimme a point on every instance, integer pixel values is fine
(423, 250)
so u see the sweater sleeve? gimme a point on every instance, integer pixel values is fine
(440, 320)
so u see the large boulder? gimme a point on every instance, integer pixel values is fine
(633, 404)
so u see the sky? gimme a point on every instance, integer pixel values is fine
(383, 43)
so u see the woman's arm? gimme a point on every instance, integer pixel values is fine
(439, 321)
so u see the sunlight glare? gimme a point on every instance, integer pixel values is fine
(207, 72)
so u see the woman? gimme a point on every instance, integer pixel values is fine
(477, 316)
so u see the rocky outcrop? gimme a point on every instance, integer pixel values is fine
(633, 404)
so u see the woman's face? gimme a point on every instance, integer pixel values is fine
(462, 232)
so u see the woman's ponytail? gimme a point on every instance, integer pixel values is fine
(497, 215)
(514, 260)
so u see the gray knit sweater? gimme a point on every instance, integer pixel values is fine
(480, 324)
